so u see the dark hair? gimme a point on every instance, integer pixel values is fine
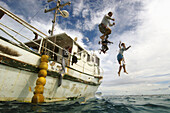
(110, 13)
(122, 44)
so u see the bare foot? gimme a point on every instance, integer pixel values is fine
(125, 72)
(119, 73)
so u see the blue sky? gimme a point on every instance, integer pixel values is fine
(143, 24)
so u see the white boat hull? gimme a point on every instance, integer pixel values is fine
(19, 85)
(18, 75)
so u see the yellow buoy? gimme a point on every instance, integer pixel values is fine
(42, 73)
(43, 65)
(41, 81)
(38, 98)
(39, 89)
(44, 58)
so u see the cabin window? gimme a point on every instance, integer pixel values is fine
(79, 51)
(79, 54)
(97, 61)
(88, 57)
(55, 57)
(92, 59)
(84, 55)
(1, 14)
(56, 49)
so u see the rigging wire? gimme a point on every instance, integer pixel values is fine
(32, 17)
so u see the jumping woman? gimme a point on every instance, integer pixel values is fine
(120, 57)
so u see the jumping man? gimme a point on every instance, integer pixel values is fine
(104, 45)
(103, 27)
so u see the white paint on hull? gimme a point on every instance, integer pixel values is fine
(19, 85)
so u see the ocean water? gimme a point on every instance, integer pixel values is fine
(103, 104)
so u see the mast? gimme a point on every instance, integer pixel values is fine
(63, 13)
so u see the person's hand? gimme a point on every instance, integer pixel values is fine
(113, 23)
(113, 19)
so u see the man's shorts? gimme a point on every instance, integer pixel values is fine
(102, 28)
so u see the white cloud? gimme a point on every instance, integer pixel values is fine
(85, 13)
(4, 5)
(149, 54)
(152, 40)
(79, 24)
(78, 7)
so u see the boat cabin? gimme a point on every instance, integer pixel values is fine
(61, 45)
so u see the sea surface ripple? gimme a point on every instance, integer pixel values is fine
(104, 104)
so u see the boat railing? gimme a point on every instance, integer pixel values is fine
(22, 44)
(32, 29)
(39, 33)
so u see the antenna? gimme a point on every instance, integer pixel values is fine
(63, 13)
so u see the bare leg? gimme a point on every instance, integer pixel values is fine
(108, 32)
(125, 69)
(120, 68)
(102, 37)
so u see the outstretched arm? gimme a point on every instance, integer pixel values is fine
(128, 47)
(120, 44)
(111, 24)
